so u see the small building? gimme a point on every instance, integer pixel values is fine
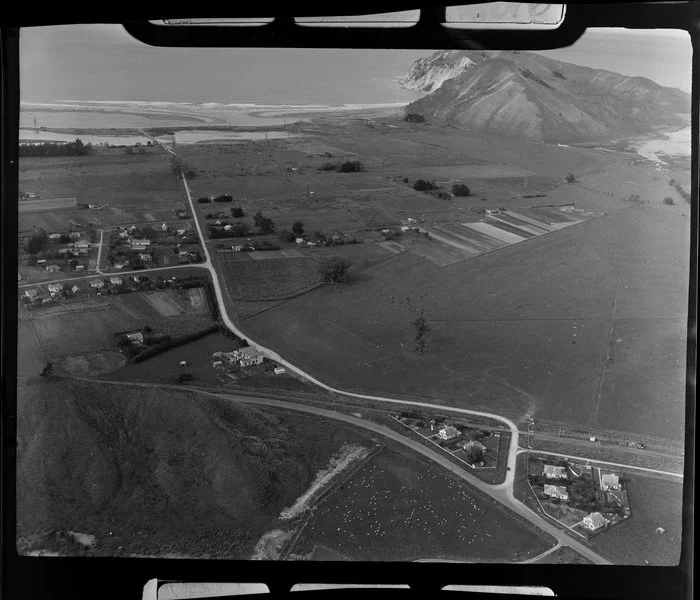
(123, 234)
(474, 444)
(41, 261)
(237, 248)
(556, 491)
(75, 289)
(280, 370)
(594, 521)
(145, 242)
(115, 280)
(448, 433)
(81, 244)
(46, 301)
(74, 235)
(136, 278)
(119, 265)
(53, 268)
(32, 294)
(181, 231)
(183, 254)
(412, 220)
(300, 241)
(80, 267)
(228, 227)
(609, 481)
(164, 227)
(217, 363)
(145, 256)
(54, 236)
(97, 283)
(183, 363)
(405, 228)
(552, 472)
(54, 288)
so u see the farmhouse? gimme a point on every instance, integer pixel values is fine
(31, 294)
(552, 472)
(75, 289)
(140, 242)
(609, 481)
(54, 236)
(181, 231)
(55, 287)
(81, 244)
(135, 336)
(449, 432)
(145, 256)
(97, 283)
(53, 268)
(556, 491)
(594, 521)
(114, 280)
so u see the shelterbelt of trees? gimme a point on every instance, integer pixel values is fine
(76, 148)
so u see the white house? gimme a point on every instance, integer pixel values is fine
(248, 356)
(145, 256)
(140, 242)
(300, 241)
(236, 248)
(74, 235)
(228, 227)
(552, 472)
(556, 491)
(55, 287)
(280, 370)
(75, 289)
(164, 227)
(594, 521)
(124, 234)
(97, 283)
(81, 244)
(609, 481)
(115, 280)
(181, 231)
(449, 432)
(135, 336)
(53, 268)
(54, 236)
(31, 294)
(405, 228)
(412, 220)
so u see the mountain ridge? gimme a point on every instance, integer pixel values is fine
(523, 94)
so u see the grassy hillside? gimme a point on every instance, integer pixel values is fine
(148, 472)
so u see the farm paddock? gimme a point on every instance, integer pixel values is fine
(397, 508)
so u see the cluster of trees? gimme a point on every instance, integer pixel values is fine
(264, 224)
(422, 327)
(76, 148)
(350, 166)
(460, 190)
(414, 118)
(570, 178)
(668, 200)
(37, 243)
(334, 270)
(679, 189)
(421, 185)
(224, 198)
(203, 200)
(237, 212)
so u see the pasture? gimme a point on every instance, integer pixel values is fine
(526, 329)
(654, 502)
(397, 508)
(275, 279)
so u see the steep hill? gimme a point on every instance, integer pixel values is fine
(526, 95)
(151, 472)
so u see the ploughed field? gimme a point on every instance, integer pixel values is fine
(396, 508)
(140, 471)
(529, 329)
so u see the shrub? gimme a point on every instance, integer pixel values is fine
(421, 185)
(328, 166)
(334, 270)
(570, 178)
(237, 212)
(668, 200)
(414, 118)
(459, 189)
(354, 166)
(203, 200)
(287, 235)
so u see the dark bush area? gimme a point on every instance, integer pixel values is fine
(353, 166)
(76, 148)
(668, 200)
(237, 212)
(203, 200)
(173, 343)
(421, 185)
(459, 189)
(414, 118)
(224, 198)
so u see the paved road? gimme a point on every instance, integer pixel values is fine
(604, 462)
(99, 253)
(498, 493)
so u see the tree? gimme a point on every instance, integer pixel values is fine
(414, 118)
(263, 223)
(476, 453)
(668, 200)
(203, 200)
(570, 178)
(47, 370)
(287, 235)
(64, 239)
(237, 212)
(351, 166)
(36, 243)
(298, 228)
(421, 185)
(184, 377)
(334, 270)
(459, 189)
(422, 332)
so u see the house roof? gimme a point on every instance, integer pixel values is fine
(555, 489)
(596, 519)
(33, 292)
(450, 430)
(551, 469)
(610, 480)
